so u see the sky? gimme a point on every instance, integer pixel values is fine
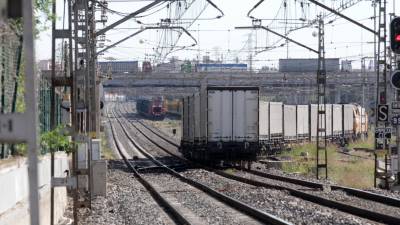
(219, 39)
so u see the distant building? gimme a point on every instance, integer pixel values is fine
(118, 67)
(221, 67)
(307, 65)
(347, 66)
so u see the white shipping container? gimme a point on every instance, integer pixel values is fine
(302, 120)
(348, 118)
(185, 118)
(337, 119)
(196, 118)
(263, 121)
(245, 115)
(219, 116)
(314, 114)
(290, 121)
(275, 118)
(328, 119)
(191, 118)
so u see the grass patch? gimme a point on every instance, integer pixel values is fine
(343, 169)
(107, 153)
(367, 143)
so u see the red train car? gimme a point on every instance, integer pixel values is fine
(152, 108)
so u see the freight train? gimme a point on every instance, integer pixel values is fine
(173, 107)
(281, 124)
(230, 123)
(221, 123)
(151, 108)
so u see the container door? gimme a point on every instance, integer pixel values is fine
(219, 115)
(252, 99)
(314, 118)
(263, 114)
(276, 118)
(302, 120)
(290, 122)
(226, 115)
(337, 120)
(239, 115)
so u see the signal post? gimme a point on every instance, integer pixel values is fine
(395, 81)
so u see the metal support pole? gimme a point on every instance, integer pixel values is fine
(53, 107)
(322, 160)
(31, 112)
(381, 72)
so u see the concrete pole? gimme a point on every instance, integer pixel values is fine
(31, 111)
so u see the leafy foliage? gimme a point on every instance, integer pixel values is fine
(42, 8)
(57, 140)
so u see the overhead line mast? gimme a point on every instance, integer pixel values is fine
(321, 73)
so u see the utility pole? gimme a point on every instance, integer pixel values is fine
(322, 155)
(381, 120)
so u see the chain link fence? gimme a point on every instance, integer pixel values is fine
(10, 61)
(12, 85)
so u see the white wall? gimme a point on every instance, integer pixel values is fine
(14, 190)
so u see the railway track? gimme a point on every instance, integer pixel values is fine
(387, 207)
(251, 215)
(163, 203)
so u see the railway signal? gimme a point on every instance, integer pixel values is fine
(395, 79)
(395, 35)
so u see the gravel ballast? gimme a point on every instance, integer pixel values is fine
(279, 203)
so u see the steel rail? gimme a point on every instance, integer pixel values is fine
(363, 213)
(240, 206)
(352, 191)
(162, 202)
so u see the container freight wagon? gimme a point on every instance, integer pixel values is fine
(221, 123)
(280, 124)
(152, 108)
(174, 107)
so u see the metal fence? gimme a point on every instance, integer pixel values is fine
(10, 61)
(10, 98)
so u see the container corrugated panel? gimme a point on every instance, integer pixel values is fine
(302, 121)
(196, 118)
(348, 118)
(314, 117)
(185, 133)
(263, 124)
(337, 119)
(275, 118)
(245, 115)
(328, 119)
(290, 122)
(191, 119)
(203, 112)
(219, 115)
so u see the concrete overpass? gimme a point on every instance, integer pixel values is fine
(296, 88)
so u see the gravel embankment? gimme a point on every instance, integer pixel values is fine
(278, 203)
(202, 208)
(336, 195)
(127, 202)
